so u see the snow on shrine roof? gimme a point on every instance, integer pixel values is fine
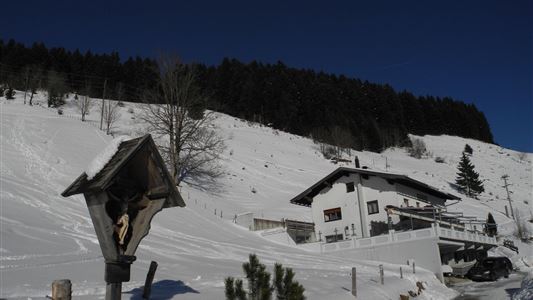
(110, 161)
(306, 197)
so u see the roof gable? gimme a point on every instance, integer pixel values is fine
(306, 197)
(127, 152)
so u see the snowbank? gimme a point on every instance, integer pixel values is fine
(99, 162)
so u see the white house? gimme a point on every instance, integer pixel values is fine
(365, 214)
(350, 202)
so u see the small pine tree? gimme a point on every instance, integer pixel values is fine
(286, 288)
(259, 287)
(468, 149)
(468, 179)
(258, 279)
(491, 228)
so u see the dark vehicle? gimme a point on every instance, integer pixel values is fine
(490, 268)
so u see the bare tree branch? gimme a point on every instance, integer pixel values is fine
(175, 113)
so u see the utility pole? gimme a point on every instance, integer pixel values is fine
(103, 106)
(504, 177)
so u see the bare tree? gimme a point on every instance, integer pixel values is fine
(418, 148)
(110, 114)
(34, 81)
(84, 103)
(175, 113)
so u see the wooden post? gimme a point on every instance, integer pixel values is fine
(354, 283)
(414, 269)
(61, 289)
(149, 280)
(401, 273)
(113, 291)
(381, 275)
(506, 211)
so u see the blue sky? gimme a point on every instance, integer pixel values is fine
(476, 51)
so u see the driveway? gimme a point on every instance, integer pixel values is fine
(501, 289)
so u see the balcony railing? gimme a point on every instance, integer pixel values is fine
(413, 235)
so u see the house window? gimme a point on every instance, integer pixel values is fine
(406, 202)
(333, 214)
(418, 204)
(350, 187)
(372, 207)
(333, 238)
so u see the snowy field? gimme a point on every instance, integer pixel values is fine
(46, 237)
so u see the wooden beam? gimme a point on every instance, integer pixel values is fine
(158, 192)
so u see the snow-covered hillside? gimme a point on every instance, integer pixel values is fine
(46, 237)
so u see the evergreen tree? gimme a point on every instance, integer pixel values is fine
(491, 228)
(468, 179)
(259, 287)
(286, 288)
(56, 89)
(468, 149)
(258, 279)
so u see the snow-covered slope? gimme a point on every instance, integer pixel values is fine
(46, 237)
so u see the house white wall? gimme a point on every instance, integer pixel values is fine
(367, 189)
(334, 197)
(424, 252)
(377, 188)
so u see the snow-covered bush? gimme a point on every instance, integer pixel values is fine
(418, 149)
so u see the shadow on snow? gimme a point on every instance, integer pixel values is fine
(163, 289)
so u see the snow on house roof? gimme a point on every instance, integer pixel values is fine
(306, 197)
(100, 161)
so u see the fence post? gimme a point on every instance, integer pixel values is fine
(401, 273)
(381, 275)
(354, 284)
(61, 289)
(149, 280)
(414, 269)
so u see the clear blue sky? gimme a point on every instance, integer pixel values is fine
(476, 51)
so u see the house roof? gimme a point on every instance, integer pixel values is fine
(306, 197)
(125, 153)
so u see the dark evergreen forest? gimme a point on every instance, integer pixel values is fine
(344, 111)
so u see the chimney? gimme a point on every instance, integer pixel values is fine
(356, 160)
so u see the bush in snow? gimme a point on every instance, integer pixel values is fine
(417, 149)
(439, 160)
(259, 286)
(10, 93)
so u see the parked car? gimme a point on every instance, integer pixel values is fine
(490, 268)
